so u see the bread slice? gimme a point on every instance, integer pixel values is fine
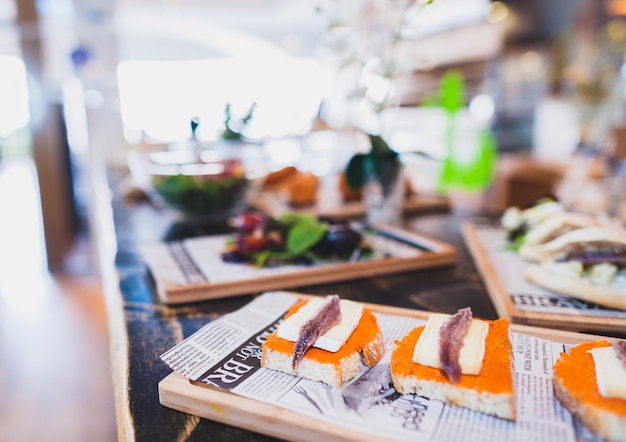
(491, 391)
(583, 237)
(580, 288)
(365, 346)
(558, 277)
(575, 387)
(551, 229)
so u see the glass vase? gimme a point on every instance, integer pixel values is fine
(384, 201)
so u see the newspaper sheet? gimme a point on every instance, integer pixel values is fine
(526, 296)
(198, 260)
(226, 353)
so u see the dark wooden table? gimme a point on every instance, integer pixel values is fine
(142, 328)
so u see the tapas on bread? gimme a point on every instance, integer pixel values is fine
(459, 360)
(551, 228)
(588, 264)
(590, 381)
(518, 222)
(325, 339)
(301, 187)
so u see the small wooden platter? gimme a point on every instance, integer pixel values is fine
(192, 270)
(330, 204)
(179, 393)
(524, 303)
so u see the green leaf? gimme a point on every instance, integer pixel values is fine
(452, 91)
(261, 258)
(304, 234)
(380, 148)
(296, 218)
(194, 125)
(381, 160)
(514, 245)
(473, 174)
(355, 171)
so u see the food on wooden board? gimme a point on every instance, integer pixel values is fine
(517, 222)
(590, 381)
(587, 264)
(458, 360)
(301, 187)
(330, 340)
(262, 240)
(552, 228)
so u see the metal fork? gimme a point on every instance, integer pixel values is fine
(298, 389)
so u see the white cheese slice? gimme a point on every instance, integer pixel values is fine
(472, 352)
(336, 336)
(610, 373)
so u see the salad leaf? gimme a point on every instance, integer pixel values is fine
(304, 233)
(514, 245)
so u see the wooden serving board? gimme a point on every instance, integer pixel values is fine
(177, 392)
(524, 303)
(330, 204)
(192, 270)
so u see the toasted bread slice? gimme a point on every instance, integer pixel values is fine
(555, 276)
(490, 392)
(365, 346)
(575, 387)
(584, 237)
(551, 229)
(579, 288)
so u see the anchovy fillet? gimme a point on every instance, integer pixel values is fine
(327, 316)
(613, 256)
(451, 336)
(620, 349)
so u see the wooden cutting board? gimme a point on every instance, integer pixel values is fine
(524, 303)
(192, 270)
(177, 392)
(330, 203)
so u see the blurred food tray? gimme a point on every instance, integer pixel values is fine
(193, 270)
(522, 302)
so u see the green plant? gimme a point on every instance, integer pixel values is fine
(477, 173)
(381, 161)
(231, 132)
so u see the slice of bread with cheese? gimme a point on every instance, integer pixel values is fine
(552, 228)
(337, 356)
(588, 264)
(579, 376)
(489, 389)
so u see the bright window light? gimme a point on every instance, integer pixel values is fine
(13, 95)
(159, 98)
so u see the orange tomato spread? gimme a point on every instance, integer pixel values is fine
(576, 371)
(365, 332)
(495, 375)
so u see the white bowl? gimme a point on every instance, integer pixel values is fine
(205, 188)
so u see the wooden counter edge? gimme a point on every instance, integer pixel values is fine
(105, 243)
